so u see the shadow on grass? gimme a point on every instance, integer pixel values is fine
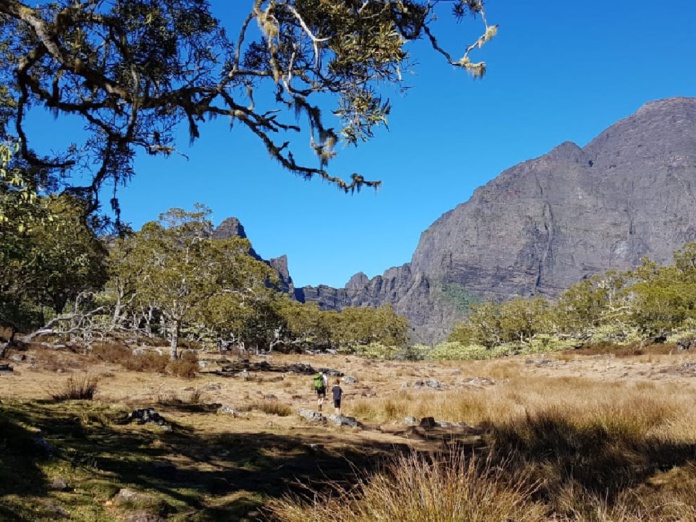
(193, 476)
(197, 477)
(604, 461)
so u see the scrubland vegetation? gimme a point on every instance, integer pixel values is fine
(574, 409)
(591, 435)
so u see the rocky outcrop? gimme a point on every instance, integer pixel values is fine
(231, 228)
(545, 224)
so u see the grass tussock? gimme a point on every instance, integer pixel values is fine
(77, 388)
(269, 407)
(186, 367)
(415, 487)
(150, 362)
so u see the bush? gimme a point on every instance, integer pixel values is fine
(416, 487)
(111, 352)
(75, 388)
(183, 368)
(147, 362)
(374, 351)
(270, 407)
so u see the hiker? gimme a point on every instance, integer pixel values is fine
(337, 392)
(320, 384)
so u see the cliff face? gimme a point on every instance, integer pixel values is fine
(543, 225)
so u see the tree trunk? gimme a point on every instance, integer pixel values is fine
(5, 345)
(174, 341)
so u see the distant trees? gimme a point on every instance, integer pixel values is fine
(176, 268)
(167, 279)
(490, 324)
(650, 301)
(306, 325)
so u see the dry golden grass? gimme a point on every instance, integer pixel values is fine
(414, 487)
(596, 437)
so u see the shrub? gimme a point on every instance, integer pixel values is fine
(183, 368)
(270, 407)
(111, 352)
(147, 362)
(75, 388)
(374, 351)
(415, 487)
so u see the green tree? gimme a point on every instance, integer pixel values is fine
(245, 311)
(305, 324)
(522, 319)
(135, 70)
(180, 268)
(482, 326)
(47, 261)
(67, 257)
(663, 297)
(365, 325)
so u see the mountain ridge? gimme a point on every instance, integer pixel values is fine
(546, 223)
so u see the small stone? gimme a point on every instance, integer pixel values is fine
(227, 410)
(60, 484)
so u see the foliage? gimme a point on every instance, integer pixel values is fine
(174, 266)
(77, 388)
(374, 351)
(48, 261)
(491, 324)
(651, 301)
(450, 487)
(134, 71)
(364, 326)
(456, 296)
(352, 330)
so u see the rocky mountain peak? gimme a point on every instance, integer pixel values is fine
(543, 225)
(229, 228)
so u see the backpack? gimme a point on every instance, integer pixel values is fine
(318, 381)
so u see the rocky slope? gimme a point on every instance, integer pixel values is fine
(544, 224)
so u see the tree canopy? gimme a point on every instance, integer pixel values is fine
(134, 71)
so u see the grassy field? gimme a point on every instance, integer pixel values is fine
(591, 436)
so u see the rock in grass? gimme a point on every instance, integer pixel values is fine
(340, 420)
(311, 415)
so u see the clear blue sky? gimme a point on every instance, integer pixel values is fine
(558, 70)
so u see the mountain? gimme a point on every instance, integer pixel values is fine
(232, 227)
(544, 224)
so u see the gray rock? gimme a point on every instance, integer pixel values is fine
(128, 496)
(341, 420)
(60, 484)
(349, 379)
(433, 383)
(311, 415)
(227, 410)
(427, 422)
(410, 421)
(44, 447)
(57, 511)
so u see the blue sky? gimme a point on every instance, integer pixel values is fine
(557, 71)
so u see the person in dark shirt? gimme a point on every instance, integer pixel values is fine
(337, 392)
